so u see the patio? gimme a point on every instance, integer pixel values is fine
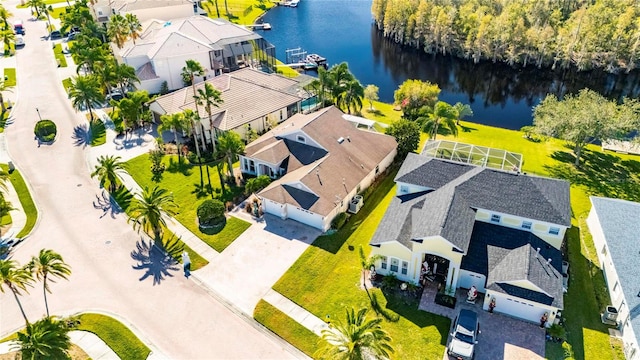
(501, 336)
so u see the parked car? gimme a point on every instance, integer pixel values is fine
(55, 34)
(72, 35)
(18, 28)
(19, 40)
(464, 335)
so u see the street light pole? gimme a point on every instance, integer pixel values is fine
(39, 117)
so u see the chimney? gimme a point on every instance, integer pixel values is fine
(549, 261)
(537, 252)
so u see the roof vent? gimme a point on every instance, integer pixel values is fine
(537, 252)
(340, 140)
(548, 261)
(349, 138)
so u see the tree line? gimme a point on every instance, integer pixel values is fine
(586, 34)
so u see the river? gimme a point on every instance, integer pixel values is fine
(343, 31)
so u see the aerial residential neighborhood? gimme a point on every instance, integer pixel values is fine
(232, 180)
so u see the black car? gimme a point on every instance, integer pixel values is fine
(55, 35)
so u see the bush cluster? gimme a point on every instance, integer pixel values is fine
(45, 130)
(339, 221)
(211, 213)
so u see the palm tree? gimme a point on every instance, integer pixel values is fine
(124, 76)
(133, 26)
(89, 53)
(47, 338)
(463, 110)
(5, 207)
(85, 92)
(107, 171)
(209, 96)
(358, 339)
(117, 30)
(15, 279)
(352, 96)
(174, 123)
(4, 87)
(217, 9)
(35, 6)
(148, 209)
(189, 72)
(7, 37)
(443, 114)
(230, 145)
(192, 117)
(48, 263)
(4, 16)
(366, 264)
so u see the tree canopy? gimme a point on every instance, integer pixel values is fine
(407, 135)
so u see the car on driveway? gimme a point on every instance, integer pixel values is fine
(464, 335)
(55, 35)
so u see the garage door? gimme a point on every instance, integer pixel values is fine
(468, 279)
(519, 308)
(304, 216)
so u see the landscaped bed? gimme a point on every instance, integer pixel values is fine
(117, 336)
(25, 199)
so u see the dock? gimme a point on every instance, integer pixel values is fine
(264, 26)
(299, 59)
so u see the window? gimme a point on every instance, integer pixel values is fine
(526, 225)
(554, 231)
(405, 268)
(404, 189)
(383, 262)
(301, 139)
(252, 166)
(495, 218)
(245, 164)
(394, 265)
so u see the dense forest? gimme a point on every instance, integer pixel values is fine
(586, 34)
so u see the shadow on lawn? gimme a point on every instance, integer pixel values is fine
(602, 173)
(157, 258)
(181, 166)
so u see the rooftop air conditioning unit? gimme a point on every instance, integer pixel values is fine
(356, 204)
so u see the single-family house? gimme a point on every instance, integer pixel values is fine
(615, 227)
(319, 161)
(147, 9)
(250, 99)
(217, 44)
(500, 231)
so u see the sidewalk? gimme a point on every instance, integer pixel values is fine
(296, 312)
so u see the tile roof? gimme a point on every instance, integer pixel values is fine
(146, 72)
(331, 172)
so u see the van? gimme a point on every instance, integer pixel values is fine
(18, 28)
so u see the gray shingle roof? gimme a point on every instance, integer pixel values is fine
(620, 223)
(524, 294)
(436, 174)
(400, 211)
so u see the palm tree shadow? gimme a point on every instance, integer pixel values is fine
(180, 166)
(107, 204)
(81, 135)
(154, 261)
(201, 191)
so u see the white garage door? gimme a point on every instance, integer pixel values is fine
(304, 217)
(468, 279)
(519, 308)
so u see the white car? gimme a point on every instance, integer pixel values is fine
(19, 40)
(464, 336)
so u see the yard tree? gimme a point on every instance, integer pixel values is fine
(85, 92)
(366, 263)
(4, 16)
(371, 94)
(209, 97)
(193, 118)
(192, 69)
(16, 279)
(124, 76)
(584, 118)
(133, 26)
(256, 184)
(47, 338)
(443, 115)
(358, 338)
(107, 171)
(117, 30)
(416, 97)
(407, 135)
(48, 264)
(463, 110)
(148, 209)
(174, 123)
(230, 145)
(352, 96)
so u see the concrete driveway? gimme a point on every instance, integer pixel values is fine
(245, 271)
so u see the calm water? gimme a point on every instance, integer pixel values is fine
(499, 95)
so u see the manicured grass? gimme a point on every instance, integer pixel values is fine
(244, 12)
(10, 76)
(57, 51)
(57, 12)
(25, 199)
(287, 328)
(48, 2)
(184, 181)
(325, 281)
(98, 133)
(117, 336)
(66, 83)
(6, 220)
(3, 120)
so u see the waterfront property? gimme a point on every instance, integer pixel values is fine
(463, 225)
(217, 44)
(272, 98)
(321, 161)
(613, 223)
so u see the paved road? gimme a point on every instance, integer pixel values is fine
(175, 314)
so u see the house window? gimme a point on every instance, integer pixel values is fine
(394, 265)
(495, 218)
(245, 164)
(554, 231)
(383, 262)
(281, 115)
(301, 139)
(252, 166)
(404, 189)
(526, 225)
(405, 268)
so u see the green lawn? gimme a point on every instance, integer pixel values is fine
(48, 2)
(244, 12)
(58, 11)
(325, 281)
(57, 52)
(119, 338)
(184, 181)
(98, 132)
(25, 199)
(66, 83)
(10, 76)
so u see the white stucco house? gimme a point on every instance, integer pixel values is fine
(319, 161)
(217, 44)
(250, 98)
(615, 227)
(496, 230)
(147, 9)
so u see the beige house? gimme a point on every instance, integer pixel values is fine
(320, 162)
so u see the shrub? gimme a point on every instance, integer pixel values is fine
(339, 221)
(164, 88)
(256, 184)
(45, 130)
(157, 167)
(211, 213)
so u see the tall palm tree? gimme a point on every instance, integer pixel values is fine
(174, 123)
(351, 96)
(208, 97)
(47, 338)
(357, 339)
(463, 110)
(192, 69)
(35, 6)
(85, 92)
(230, 145)
(4, 16)
(7, 37)
(148, 209)
(366, 264)
(192, 118)
(124, 76)
(443, 114)
(16, 279)
(215, 2)
(134, 28)
(107, 171)
(89, 53)
(4, 87)
(117, 30)
(48, 264)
